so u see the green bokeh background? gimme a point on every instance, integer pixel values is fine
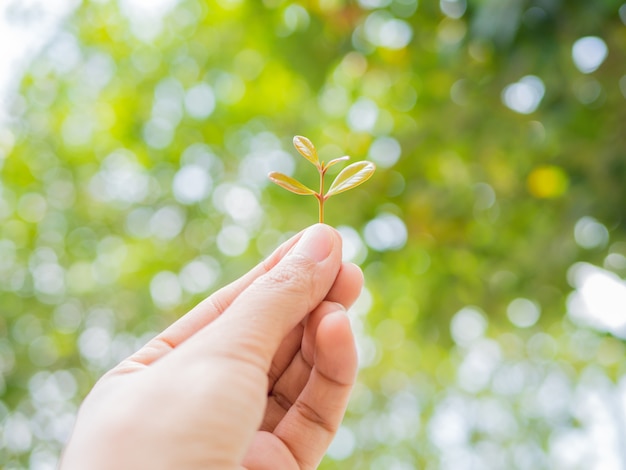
(132, 184)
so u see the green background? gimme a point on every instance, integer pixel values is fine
(133, 184)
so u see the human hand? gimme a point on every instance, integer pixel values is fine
(258, 375)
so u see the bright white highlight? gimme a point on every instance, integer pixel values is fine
(383, 30)
(354, 250)
(599, 300)
(343, 444)
(167, 222)
(233, 240)
(588, 53)
(385, 232)
(589, 233)
(523, 313)
(192, 183)
(363, 115)
(199, 275)
(385, 152)
(453, 8)
(467, 325)
(525, 95)
(200, 101)
(165, 289)
(120, 179)
(146, 16)
(23, 40)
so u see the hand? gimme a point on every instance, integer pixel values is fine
(258, 375)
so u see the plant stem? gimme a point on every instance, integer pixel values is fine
(320, 196)
(321, 210)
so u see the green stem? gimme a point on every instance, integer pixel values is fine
(320, 196)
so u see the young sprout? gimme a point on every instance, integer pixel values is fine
(351, 176)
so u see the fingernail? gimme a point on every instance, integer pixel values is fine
(316, 243)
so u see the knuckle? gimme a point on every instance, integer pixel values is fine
(313, 416)
(281, 400)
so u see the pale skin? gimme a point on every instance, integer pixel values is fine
(256, 376)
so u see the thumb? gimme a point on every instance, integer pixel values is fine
(254, 325)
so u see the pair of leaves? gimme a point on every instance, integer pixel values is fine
(350, 177)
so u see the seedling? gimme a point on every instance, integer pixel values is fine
(350, 177)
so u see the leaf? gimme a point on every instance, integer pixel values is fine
(351, 176)
(335, 161)
(289, 183)
(306, 149)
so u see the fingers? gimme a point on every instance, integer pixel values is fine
(202, 314)
(292, 364)
(310, 424)
(289, 384)
(262, 315)
(344, 291)
(347, 286)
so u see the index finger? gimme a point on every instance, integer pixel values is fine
(202, 314)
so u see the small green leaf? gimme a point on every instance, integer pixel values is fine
(289, 183)
(335, 161)
(306, 149)
(351, 176)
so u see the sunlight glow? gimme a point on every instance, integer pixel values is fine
(599, 300)
(26, 26)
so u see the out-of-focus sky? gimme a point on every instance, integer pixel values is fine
(25, 25)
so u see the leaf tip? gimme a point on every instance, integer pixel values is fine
(306, 148)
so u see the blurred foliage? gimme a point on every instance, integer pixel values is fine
(133, 183)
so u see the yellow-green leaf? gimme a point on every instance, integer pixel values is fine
(289, 183)
(336, 160)
(351, 176)
(306, 149)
